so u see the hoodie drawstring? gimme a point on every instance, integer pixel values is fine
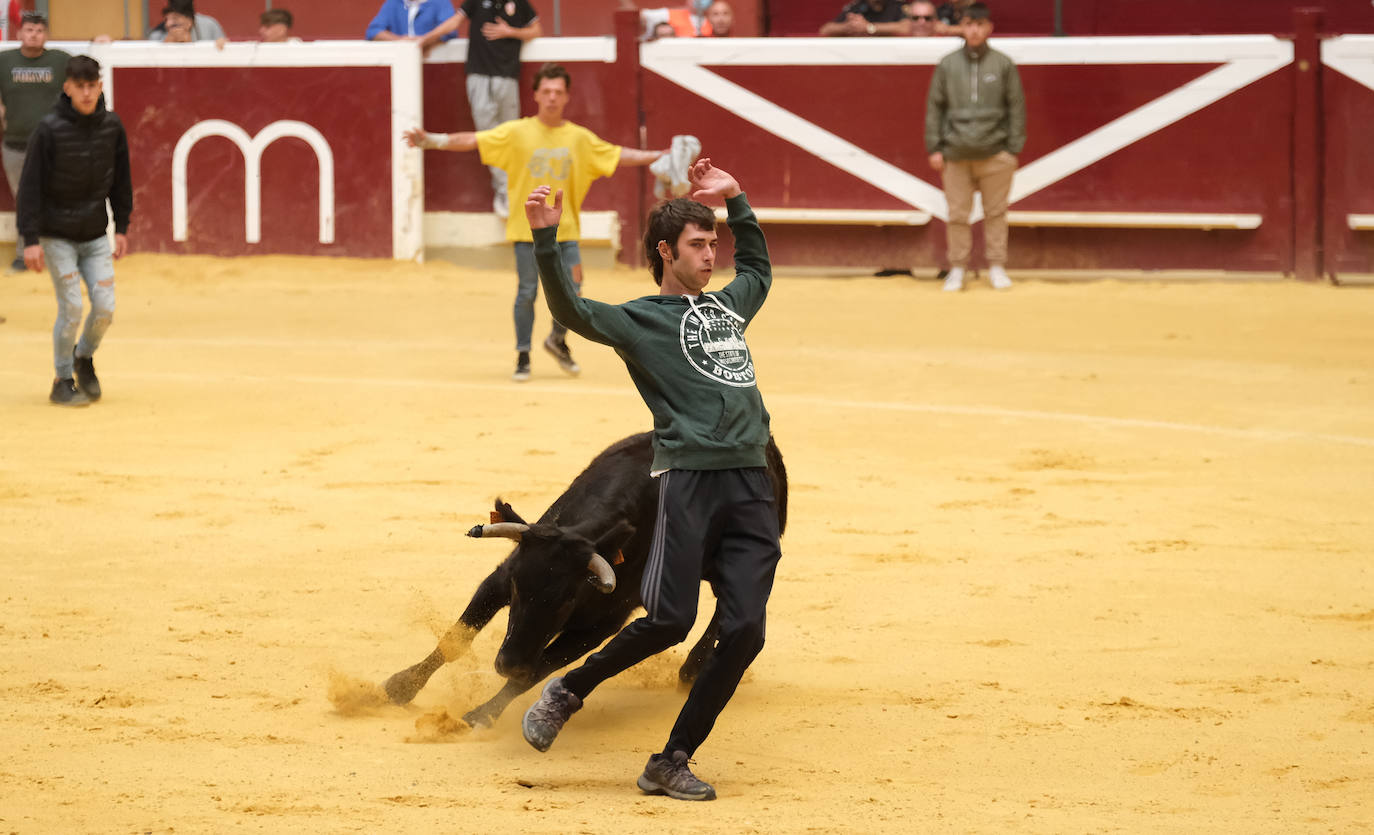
(715, 302)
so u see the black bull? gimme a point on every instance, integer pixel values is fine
(572, 581)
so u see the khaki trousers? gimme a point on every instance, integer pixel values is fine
(990, 176)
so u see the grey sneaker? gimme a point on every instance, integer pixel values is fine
(522, 368)
(560, 352)
(671, 776)
(85, 376)
(546, 716)
(65, 393)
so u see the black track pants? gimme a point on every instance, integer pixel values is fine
(719, 525)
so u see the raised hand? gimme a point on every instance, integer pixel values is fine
(538, 210)
(709, 182)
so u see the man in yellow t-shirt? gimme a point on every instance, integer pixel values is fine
(544, 149)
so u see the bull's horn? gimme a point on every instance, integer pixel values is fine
(602, 574)
(509, 530)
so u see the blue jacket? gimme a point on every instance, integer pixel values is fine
(392, 17)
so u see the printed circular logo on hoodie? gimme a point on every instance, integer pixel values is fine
(714, 345)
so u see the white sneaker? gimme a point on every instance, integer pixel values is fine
(954, 281)
(998, 276)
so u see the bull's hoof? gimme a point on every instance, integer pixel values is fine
(477, 719)
(403, 686)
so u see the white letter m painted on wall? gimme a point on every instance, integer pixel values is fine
(252, 148)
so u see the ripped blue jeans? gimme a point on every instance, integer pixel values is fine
(70, 264)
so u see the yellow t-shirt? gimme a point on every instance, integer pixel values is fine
(533, 154)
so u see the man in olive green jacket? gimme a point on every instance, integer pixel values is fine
(975, 127)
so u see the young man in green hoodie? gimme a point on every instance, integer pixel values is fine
(686, 354)
(975, 127)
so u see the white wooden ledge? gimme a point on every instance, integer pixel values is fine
(1136, 220)
(840, 217)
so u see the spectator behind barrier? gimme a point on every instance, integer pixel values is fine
(923, 18)
(394, 21)
(496, 34)
(662, 29)
(868, 18)
(181, 24)
(720, 20)
(949, 17)
(687, 21)
(274, 26)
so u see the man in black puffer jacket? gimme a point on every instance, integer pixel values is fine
(78, 157)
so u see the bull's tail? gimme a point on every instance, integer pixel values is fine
(778, 472)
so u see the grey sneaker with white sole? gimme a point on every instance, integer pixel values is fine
(671, 776)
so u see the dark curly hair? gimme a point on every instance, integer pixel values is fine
(666, 222)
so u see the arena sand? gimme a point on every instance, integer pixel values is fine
(1087, 557)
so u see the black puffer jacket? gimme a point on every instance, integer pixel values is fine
(75, 163)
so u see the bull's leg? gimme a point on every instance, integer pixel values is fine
(492, 594)
(700, 651)
(566, 648)
(484, 714)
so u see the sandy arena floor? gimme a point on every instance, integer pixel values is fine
(1089, 557)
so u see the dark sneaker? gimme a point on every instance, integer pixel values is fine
(18, 265)
(559, 349)
(546, 717)
(522, 368)
(85, 376)
(65, 393)
(671, 776)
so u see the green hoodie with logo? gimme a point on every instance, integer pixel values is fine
(975, 107)
(686, 355)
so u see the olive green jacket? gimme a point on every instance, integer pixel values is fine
(975, 107)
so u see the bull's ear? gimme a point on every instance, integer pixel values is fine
(610, 542)
(504, 513)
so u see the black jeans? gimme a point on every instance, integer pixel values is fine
(719, 525)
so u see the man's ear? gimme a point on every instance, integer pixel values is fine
(664, 251)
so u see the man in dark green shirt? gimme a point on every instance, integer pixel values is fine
(686, 354)
(30, 79)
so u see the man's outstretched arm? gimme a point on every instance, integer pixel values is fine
(463, 141)
(634, 156)
(592, 320)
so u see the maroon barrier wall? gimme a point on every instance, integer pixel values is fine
(1348, 169)
(1138, 127)
(1183, 164)
(328, 101)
